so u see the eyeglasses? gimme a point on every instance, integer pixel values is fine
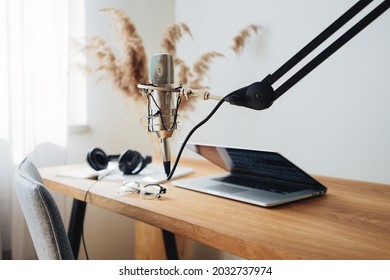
(149, 191)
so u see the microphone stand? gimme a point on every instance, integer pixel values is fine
(261, 95)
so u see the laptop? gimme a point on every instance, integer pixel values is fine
(258, 177)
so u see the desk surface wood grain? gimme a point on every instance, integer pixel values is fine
(352, 221)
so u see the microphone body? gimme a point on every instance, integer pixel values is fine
(162, 104)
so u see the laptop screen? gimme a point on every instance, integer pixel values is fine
(266, 164)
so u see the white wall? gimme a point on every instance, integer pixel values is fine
(334, 122)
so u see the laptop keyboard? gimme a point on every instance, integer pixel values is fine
(267, 185)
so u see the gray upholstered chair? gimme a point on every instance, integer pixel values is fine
(42, 215)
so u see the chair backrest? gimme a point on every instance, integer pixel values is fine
(42, 215)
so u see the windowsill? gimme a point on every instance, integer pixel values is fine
(76, 129)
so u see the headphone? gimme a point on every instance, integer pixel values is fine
(129, 162)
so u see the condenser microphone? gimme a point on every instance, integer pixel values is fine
(163, 103)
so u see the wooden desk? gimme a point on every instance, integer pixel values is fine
(352, 221)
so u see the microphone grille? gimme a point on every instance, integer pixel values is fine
(161, 69)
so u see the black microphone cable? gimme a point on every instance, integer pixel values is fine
(206, 119)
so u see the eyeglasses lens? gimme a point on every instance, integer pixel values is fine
(150, 191)
(129, 187)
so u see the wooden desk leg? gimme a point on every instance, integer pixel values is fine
(76, 225)
(152, 243)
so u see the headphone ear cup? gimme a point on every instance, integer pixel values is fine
(97, 159)
(145, 161)
(128, 161)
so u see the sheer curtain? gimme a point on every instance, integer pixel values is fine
(33, 103)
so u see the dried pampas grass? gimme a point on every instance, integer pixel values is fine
(241, 38)
(172, 35)
(201, 68)
(129, 67)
